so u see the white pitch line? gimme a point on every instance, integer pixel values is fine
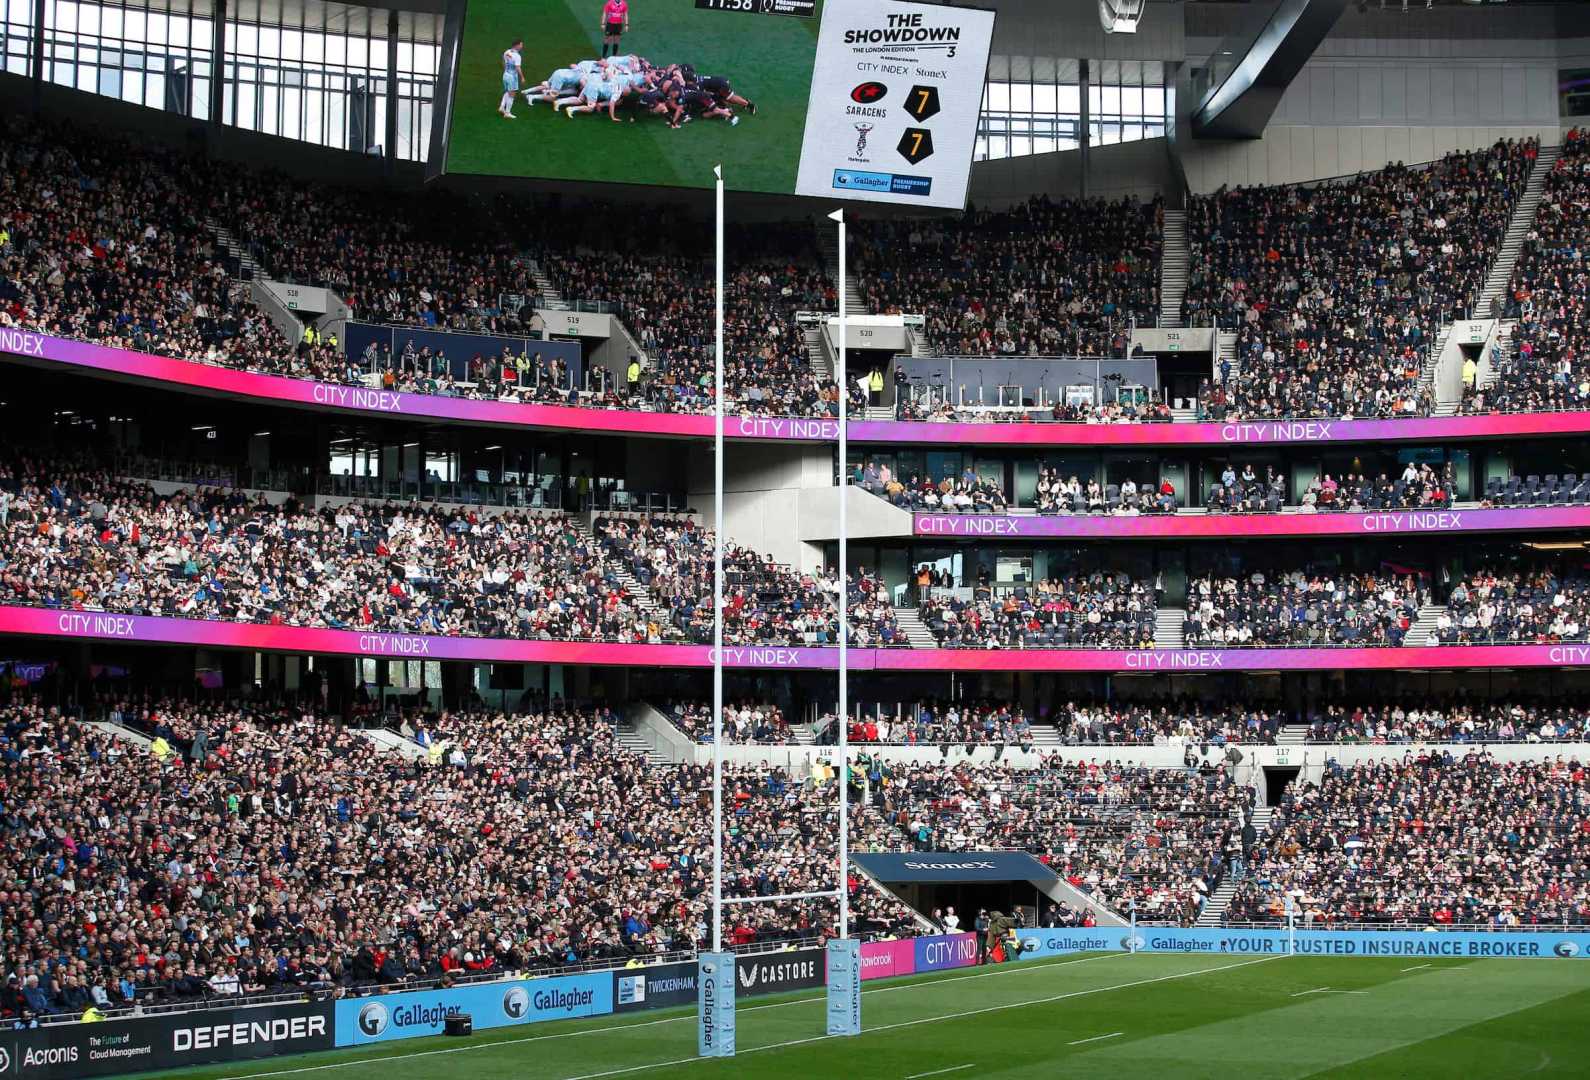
(666, 1020)
(1328, 990)
(941, 1072)
(1417, 967)
(1096, 1038)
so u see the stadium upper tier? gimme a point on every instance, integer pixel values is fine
(1337, 293)
(1340, 290)
(1049, 278)
(1545, 368)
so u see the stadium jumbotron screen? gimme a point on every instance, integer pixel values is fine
(869, 99)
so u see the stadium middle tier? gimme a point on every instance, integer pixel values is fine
(89, 553)
(1336, 333)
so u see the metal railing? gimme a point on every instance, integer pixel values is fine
(320, 991)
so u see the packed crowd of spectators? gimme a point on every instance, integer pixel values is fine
(80, 537)
(1544, 364)
(764, 601)
(1338, 290)
(1233, 611)
(968, 493)
(1532, 605)
(1433, 839)
(743, 722)
(266, 849)
(1100, 610)
(1051, 277)
(1150, 723)
(947, 723)
(1057, 494)
(1108, 412)
(1462, 721)
(109, 242)
(258, 848)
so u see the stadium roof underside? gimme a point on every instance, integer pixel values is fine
(1240, 106)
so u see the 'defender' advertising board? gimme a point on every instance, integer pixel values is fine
(116, 1047)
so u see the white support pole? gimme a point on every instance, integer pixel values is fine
(843, 970)
(844, 597)
(717, 593)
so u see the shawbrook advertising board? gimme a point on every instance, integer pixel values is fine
(501, 1004)
(117, 1047)
(1534, 945)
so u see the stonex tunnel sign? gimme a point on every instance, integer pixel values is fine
(953, 867)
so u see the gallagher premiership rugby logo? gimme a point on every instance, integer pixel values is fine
(516, 1003)
(372, 1019)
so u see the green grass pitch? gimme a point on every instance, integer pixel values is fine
(1113, 1016)
(767, 57)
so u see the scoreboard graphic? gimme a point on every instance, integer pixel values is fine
(896, 89)
(873, 100)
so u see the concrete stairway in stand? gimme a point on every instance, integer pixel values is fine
(1226, 349)
(828, 244)
(639, 594)
(1214, 910)
(916, 631)
(1174, 261)
(228, 242)
(1419, 633)
(1168, 628)
(551, 299)
(1291, 735)
(816, 355)
(633, 740)
(1518, 227)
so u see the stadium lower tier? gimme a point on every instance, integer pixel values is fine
(329, 856)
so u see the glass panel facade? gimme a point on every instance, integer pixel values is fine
(317, 73)
(1127, 101)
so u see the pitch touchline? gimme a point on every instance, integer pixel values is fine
(936, 1019)
(941, 1072)
(1096, 1038)
(654, 1023)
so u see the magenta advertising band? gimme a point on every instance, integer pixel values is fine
(1377, 523)
(165, 630)
(45, 349)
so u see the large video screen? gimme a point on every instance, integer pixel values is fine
(859, 99)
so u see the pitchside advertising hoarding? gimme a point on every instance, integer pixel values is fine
(1456, 944)
(874, 100)
(501, 1004)
(655, 987)
(117, 1047)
